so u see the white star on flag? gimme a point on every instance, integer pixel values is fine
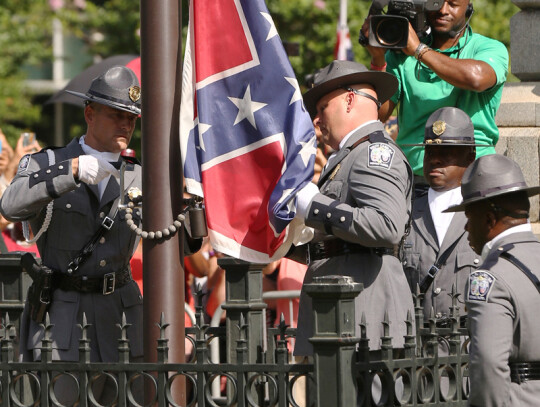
(290, 204)
(272, 32)
(296, 95)
(308, 149)
(246, 107)
(203, 128)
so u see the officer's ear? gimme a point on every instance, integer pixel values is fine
(89, 113)
(491, 219)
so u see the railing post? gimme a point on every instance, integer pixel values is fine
(6, 343)
(334, 340)
(244, 305)
(243, 297)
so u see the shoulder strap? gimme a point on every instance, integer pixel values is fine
(89, 247)
(433, 270)
(519, 264)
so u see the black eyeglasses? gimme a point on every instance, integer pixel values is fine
(359, 92)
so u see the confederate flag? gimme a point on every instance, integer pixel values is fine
(248, 144)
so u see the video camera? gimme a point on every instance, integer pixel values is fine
(391, 30)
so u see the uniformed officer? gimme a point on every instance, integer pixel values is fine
(503, 295)
(70, 199)
(436, 254)
(361, 204)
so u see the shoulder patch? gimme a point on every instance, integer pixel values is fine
(480, 284)
(23, 164)
(380, 155)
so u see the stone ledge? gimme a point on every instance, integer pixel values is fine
(520, 105)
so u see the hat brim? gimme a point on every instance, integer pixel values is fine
(531, 191)
(385, 85)
(101, 101)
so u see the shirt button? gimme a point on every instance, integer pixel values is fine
(102, 215)
(102, 263)
(68, 205)
(315, 211)
(48, 171)
(102, 240)
(60, 167)
(476, 261)
(328, 215)
(36, 175)
(342, 219)
(437, 290)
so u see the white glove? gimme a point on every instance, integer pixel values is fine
(92, 170)
(304, 198)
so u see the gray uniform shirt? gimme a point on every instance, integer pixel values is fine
(503, 306)
(421, 251)
(77, 214)
(365, 199)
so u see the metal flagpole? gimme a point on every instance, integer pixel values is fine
(342, 14)
(163, 275)
(342, 29)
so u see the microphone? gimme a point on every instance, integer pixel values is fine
(454, 34)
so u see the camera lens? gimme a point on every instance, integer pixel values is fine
(389, 32)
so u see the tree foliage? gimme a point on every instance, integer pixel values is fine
(109, 27)
(310, 23)
(25, 40)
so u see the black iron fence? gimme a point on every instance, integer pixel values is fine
(256, 367)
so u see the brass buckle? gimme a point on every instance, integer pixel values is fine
(109, 281)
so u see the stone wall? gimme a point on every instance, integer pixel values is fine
(518, 117)
(518, 120)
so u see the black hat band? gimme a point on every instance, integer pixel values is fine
(112, 99)
(488, 191)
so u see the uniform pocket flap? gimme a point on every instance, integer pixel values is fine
(131, 295)
(465, 259)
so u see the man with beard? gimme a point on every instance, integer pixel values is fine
(452, 66)
(503, 294)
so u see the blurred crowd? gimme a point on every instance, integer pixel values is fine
(12, 238)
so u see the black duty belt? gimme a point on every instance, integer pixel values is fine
(337, 247)
(524, 371)
(105, 284)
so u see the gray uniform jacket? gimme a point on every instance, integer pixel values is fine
(78, 213)
(504, 328)
(421, 251)
(367, 193)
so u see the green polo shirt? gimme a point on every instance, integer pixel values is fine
(421, 92)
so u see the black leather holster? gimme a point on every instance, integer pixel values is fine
(40, 292)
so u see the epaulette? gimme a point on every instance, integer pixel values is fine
(377, 137)
(493, 257)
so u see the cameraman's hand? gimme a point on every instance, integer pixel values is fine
(377, 53)
(92, 170)
(412, 42)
